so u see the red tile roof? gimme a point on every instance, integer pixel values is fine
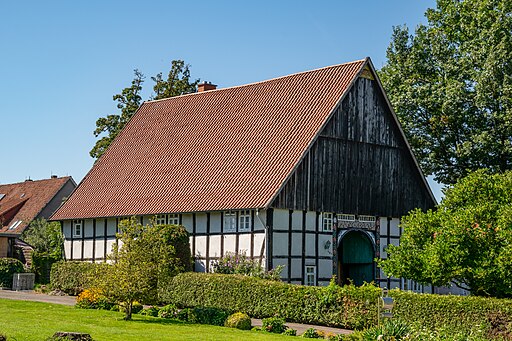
(223, 149)
(25, 200)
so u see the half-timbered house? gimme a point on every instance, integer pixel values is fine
(311, 171)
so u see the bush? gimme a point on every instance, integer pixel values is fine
(201, 315)
(273, 325)
(311, 333)
(290, 332)
(239, 321)
(238, 263)
(48, 242)
(467, 316)
(391, 329)
(177, 236)
(168, 311)
(149, 311)
(349, 307)
(93, 299)
(72, 277)
(212, 316)
(137, 307)
(182, 315)
(8, 267)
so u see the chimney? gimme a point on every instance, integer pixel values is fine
(206, 86)
(54, 176)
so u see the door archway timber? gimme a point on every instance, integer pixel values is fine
(356, 252)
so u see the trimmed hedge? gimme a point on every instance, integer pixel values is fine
(8, 267)
(349, 307)
(72, 277)
(461, 314)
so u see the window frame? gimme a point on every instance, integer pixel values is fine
(173, 219)
(367, 218)
(161, 219)
(244, 221)
(346, 217)
(77, 223)
(327, 221)
(229, 222)
(307, 275)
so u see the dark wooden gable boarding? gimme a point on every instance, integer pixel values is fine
(360, 162)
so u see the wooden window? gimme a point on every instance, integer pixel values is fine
(346, 217)
(173, 219)
(77, 228)
(229, 221)
(367, 218)
(244, 221)
(327, 221)
(310, 275)
(160, 219)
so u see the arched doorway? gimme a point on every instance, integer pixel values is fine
(355, 258)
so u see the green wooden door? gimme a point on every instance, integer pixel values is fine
(356, 253)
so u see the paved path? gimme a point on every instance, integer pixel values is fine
(301, 328)
(29, 295)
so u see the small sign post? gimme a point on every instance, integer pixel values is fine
(385, 306)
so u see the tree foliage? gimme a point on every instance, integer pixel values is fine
(144, 259)
(128, 101)
(468, 239)
(451, 86)
(178, 82)
(48, 242)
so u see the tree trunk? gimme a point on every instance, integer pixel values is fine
(128, 311)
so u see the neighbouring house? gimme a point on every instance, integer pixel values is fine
(311, 171)
(22, 202)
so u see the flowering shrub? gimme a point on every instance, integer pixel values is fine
(93, 299)
(239, 263)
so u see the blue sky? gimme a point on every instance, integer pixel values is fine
(62, 61)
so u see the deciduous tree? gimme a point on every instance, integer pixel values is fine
(450, 84)
(128, 101)
(48, 242)
(144, 259)
(177, 83)
(467, 241)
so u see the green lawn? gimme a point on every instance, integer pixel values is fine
(26, 321)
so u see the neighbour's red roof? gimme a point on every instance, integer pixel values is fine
(223, 149)
(25, 200)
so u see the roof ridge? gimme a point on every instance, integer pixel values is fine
(32, 181)
(259, 82)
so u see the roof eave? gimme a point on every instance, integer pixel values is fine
(395, 118)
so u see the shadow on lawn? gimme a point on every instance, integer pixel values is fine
(157, 320)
